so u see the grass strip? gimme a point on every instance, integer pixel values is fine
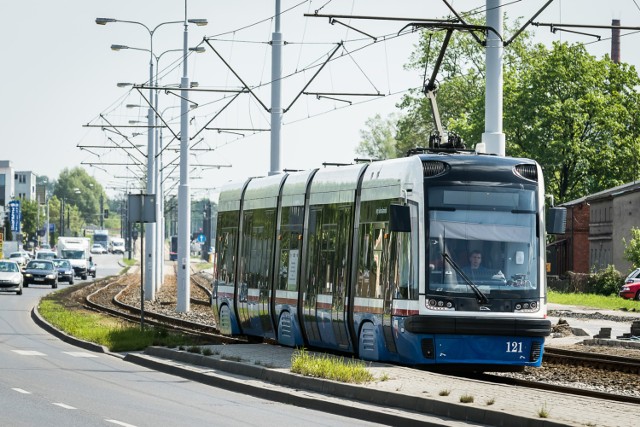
(330, 367)
(117, 335)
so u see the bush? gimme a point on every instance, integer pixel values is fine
(606, 282)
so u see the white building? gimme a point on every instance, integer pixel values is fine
(25, 185)
(6, 182)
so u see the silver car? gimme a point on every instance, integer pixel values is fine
(19, 257)
(10, 277)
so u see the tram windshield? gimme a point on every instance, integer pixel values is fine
(482, 241)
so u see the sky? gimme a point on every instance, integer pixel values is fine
(60, 79)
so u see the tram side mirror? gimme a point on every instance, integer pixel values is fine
(399, 218)
(556, 220)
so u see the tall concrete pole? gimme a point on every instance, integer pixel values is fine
(493, 138)
(149, 228)
(157, 181)
(276, 94)
(184, 196)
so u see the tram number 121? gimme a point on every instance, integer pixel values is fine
(514, 347)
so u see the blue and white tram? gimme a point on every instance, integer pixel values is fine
(372, 259)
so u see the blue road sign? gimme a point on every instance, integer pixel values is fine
(201, 238)
(15, 215)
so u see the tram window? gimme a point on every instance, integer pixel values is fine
(370, 260)
(289, 247)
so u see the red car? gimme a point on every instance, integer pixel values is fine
(631, 287)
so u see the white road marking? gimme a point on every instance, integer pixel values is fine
(120, 423)
(79, 354)
(63, 405)
(19, 390)
(29, 352)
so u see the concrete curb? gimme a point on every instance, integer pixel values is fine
(40, 321)
(382, 399)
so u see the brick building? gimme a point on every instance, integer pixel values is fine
(596, 227)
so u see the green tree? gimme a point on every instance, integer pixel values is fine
(632, 249)
(30, 220)
(378, 141)
(82, 191)
(577, 116)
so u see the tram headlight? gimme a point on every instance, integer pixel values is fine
(518, 306)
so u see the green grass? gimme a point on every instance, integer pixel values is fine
(330, 367)
(611, 302)
(204, 266)
(129, 262)
(116, 335)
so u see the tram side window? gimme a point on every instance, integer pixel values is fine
(289, 247)
(226, 247)
(370, 260)
(328, 250)
(257, 245)
(387, 261)
(403, 261)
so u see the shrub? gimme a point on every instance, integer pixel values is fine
(607, 281)
(632, 249)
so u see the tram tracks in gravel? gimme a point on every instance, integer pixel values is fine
(109, 297)
(581, 373)
(584, 392)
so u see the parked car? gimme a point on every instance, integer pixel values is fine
(65, 270)
(10, 277)
(19, 257)
(631, 287)
(40, 272)
(97, 248)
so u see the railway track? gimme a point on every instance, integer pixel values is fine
(592, 360)
(108, 299)
(558, 388)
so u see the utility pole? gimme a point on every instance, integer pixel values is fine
(276, 94)
(184, 193)
(101, 212)
(493, 137)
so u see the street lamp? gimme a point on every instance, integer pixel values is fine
(151, 229)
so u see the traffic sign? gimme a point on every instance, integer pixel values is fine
(15, 215)
(201, 238)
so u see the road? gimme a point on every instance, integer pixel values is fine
(46, 381)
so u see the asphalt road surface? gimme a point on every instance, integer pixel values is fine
(45, 381)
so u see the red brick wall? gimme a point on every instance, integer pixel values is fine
(578, 237)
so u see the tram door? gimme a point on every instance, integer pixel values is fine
(325, 299)
(254, 276)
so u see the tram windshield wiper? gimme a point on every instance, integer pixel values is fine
(482, 298)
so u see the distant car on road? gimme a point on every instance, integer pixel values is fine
(631, 287)
(10, 277)
(19, 257)
(40, 272)
(65, 270)
(46, 254)
(97, 248)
